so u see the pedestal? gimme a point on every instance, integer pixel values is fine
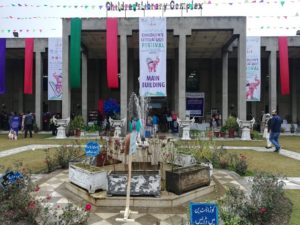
(61, 132)
(186, 133)
(117, 132)
(246, 134)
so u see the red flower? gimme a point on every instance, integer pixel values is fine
(48, 197)
(37, 188)
(88, 207)
(31, 205)
(263, 210)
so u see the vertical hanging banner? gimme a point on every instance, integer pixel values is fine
(55, 69)
(284, 65)
(152, 37)
(75, 50)
(253, 72)
(112, 52)
(2, 64)
(29, 43)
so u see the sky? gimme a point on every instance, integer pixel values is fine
(42, 18)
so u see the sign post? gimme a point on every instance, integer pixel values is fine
(203, 213)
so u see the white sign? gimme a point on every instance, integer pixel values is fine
(253, 83)
(55, 69)
(153, 51)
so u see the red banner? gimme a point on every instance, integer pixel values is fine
(112, 52)
(284, 65)
(100, 105)
(29, 42)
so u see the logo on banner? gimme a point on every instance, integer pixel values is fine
(152, 64)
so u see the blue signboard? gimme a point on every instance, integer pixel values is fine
(203, 214)
(195, 104)
(92, 149)
(10, 178)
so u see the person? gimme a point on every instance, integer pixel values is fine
(28, 124)
(14, 123)
(274, 129)
(266, 133)
(53, 125)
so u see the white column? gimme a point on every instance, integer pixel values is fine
(84, 87)
(241, 84)
(182, 76)
(66, 96)
(224, 87)
(124, 74)
(38, 88)
(272, 80)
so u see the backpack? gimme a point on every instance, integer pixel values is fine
(29, 120)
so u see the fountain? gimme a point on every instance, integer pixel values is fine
(61, 130)
(246, 126)
(117, 124)
(186, 127)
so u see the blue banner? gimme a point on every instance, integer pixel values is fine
(203, 213)
(195, 104)
(92, 149)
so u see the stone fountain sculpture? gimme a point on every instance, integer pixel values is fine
(117, 124)
(186, 127)
(246, 126)
(61, 130)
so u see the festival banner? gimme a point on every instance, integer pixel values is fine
(29, 43)
(284, 65)
(253, 71)
(152, 40)
(75, 51)
(55, 69)
(112, 52)
(195, 104)
(2, 64)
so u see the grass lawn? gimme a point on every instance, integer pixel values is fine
(288, 142)
(32, 160)
(294, 196)
(270, 162)
(6, 144)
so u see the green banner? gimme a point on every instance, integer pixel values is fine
(75, 47)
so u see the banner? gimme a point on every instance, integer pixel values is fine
(75, 51)
(55, 69)
(2, 64)
(29, 42)
(284, 65)
(253, 76)
(195, 104)
(152, 37)
(112, 52)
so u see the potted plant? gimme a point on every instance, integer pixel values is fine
(223, 131)
(231, 126)
(187, 178)
(77, 124)
(292, 129)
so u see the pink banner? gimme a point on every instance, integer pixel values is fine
(112, 52)
(284, 65)
(29, 42)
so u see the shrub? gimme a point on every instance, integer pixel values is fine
(241, 165)
(266, 204)
(255, 135)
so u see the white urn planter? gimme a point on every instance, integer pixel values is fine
(91, 181)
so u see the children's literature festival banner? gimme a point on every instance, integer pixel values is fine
(253, 83)
(152, 41)
(55, 69)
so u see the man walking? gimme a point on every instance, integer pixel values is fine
(28, 123)
(274, 129)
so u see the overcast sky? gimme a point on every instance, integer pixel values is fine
(42, 18)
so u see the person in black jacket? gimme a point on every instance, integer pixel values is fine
(274, 127)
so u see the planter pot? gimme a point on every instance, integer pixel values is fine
(184, 160)
(143, 183)
(91, 181)
(77, 132)
(216, 133)
(186, 179)
(231, 133)
(222, 134)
